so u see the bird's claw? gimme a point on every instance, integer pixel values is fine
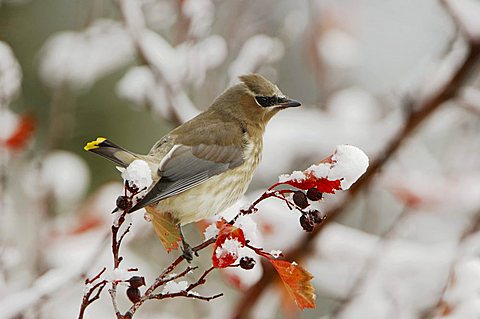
(187, 252)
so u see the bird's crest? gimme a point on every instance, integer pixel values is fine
(259, 85)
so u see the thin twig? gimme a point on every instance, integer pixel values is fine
(113, 294)
(470, 230)
(88, 298)
(371, 262)
(163, 278)
(134, 20)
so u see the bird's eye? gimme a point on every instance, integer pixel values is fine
(267, 101)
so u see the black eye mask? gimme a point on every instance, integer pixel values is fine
(267, 101)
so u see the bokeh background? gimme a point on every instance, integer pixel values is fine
(406, 245)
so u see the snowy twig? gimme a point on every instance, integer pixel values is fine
(135, 23)
(422, 109)
(164, 278)
(188, 292)
(470, 230)
(88, 298)
(113, 296)
(384, 240)
(96, 288)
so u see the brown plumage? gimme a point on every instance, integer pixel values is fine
(206, 164)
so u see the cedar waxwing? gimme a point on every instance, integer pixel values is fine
(206, 164)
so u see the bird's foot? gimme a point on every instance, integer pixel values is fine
(187, 252)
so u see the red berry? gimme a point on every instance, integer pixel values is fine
(300, 199)
(314, 194)
(247, 263)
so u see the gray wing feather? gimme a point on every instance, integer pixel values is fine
(186, 167)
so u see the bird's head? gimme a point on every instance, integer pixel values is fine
(254, 100)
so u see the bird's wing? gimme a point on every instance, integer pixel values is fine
(185, 167)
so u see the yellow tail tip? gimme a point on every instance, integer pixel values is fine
(94, 144)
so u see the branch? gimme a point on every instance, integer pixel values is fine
(468, 231)
(88, 298)
(422, 109)
(164, 278)
(134, 20)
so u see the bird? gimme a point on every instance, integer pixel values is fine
(206, 164)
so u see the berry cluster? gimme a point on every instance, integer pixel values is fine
(125, 202)
(312, 217)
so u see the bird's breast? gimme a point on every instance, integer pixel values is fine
(217, 193)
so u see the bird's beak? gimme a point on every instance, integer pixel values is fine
(289, 103)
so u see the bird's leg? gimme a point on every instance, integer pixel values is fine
(186, 248)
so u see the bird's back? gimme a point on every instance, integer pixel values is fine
(211, 129)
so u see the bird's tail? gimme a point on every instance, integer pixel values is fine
(111, 151)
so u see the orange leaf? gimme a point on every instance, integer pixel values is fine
(297, 282)
(165, 227)
(223, 258)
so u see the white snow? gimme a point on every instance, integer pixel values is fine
(211, 231)
(255, 52)
(10, 74)
(159, 15)
(80, 58)
(249, 228)
(201, 14)
(160, 53)
(338, 49)
(231, 246)
(8, 122)
(117, 274)
(295, 176)
(353, 106)
(399, 272)
(199, 57)
(351, 163)
(275, 253)
(87, 288)
(160, 85)
(468, 13)
(66, 176)
(138, 173)
(172, 287)
(321, 170)
(463, 294)
(53, 280)
(348, 164)
(138, 84)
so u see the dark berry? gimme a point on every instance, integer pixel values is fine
(317, 216)
(123, 202)
(247, 263)
(314, 194)
(136, 281)
(132, 188)
(133, 294)
(307, 223)
(300, 199)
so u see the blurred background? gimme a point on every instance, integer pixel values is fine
(404, 245)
